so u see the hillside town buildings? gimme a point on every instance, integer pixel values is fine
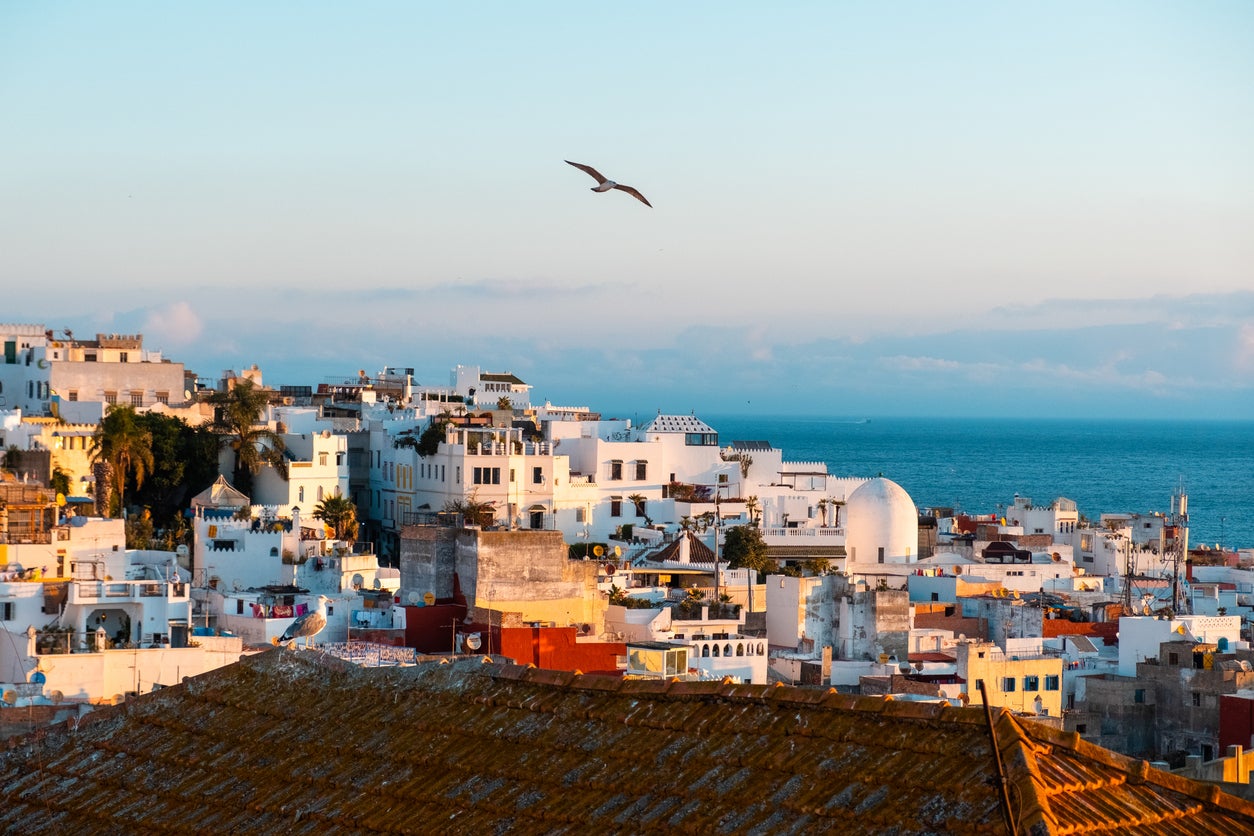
(551, 535)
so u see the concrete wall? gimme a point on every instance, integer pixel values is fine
(523, 576)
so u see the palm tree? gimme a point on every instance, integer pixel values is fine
(639, 500)
(339, 512)
(751, 506)
(823, 511)
(125, 446)
(236, 419)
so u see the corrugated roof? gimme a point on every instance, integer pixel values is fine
(295, 742)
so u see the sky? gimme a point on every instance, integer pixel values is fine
(897, 208)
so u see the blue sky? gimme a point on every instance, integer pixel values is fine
(859, 208)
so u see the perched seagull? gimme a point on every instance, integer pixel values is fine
(604, 185)
(308, 625)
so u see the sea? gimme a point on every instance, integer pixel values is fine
(978, 465)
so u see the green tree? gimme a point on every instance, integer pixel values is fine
(185, 462)
(60, 481)
(432, 436)
(743, 546)
(504, 402)
(125, 445)
(237, 420)
(339, 512)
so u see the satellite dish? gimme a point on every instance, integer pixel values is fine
(598, 550)
(358, 580)
(56, 697)
(181, 551)
(413, 598)
(187, 395)
(429, 599)
(473, 641)
(9, 696)
(618, 551)
(378, 584)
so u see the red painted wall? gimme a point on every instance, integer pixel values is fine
(1236, 722)
(555, 648)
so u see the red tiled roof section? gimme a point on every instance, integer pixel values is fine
(289, 742)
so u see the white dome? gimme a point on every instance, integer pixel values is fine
(881, 515)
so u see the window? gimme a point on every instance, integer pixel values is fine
(73, 395)
(1031, 683)
(537, 475)
(123, 357)
(322, 459)
(1138, 696)
(487, 476)
(1008, 684)
(1197, 698)
(642, 470)
(163, 397)
(581, 515)
(1051, 683)
(111, 397)
(6, 610)
(512, 477)
(616, 506)
(137, 398)
(339, 459)
(89, 357)
(1173, 658)
(616, 470)
(979, 686)
(319, 493)
(300, 494)
(881, 551)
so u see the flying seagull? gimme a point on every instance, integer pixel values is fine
(604, 185)
(308, 625)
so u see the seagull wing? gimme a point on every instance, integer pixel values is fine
(306, 625)
(588, 169)
(635, 194)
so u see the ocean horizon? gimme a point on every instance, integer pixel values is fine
(978, 465)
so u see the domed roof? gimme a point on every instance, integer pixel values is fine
(879, 515)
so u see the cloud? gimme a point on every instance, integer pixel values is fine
(176, 324)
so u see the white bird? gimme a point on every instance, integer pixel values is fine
(604, 185)
(308, 625)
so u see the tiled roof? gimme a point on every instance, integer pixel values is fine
(698, 552)
(507, 377)
(678, 424)
(294, 742)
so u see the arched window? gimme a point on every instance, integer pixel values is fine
(319, 493)
(705, 650)
(740, 650)
(760, 649)
(300, 494)
(727, 649)
(716, 650)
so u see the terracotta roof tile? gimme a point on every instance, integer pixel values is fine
(281, 743)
